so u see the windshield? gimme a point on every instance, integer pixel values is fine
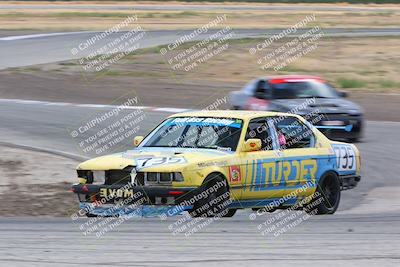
(303, 89)
(197, 132)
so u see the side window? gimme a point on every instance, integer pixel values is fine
(292, 90)
(263, 90)
(258, 128)
(292, 133)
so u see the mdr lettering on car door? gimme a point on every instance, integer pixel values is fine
(345, 157)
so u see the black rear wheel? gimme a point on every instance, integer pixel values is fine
(327, 196)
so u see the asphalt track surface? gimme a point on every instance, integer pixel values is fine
(25, 50)
(320, 241)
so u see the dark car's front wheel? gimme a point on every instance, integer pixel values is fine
(327, 196)
(212, 198)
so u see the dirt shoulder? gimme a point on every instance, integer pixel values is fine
(94, 15)
(36, 183)
(364, 67)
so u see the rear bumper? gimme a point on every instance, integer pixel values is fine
(352, 128)
(349, 181)
(341, 134)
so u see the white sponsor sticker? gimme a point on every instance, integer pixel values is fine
(345, 157)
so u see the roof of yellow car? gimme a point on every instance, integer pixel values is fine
(237, 114)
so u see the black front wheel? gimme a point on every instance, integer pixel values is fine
(212, 198)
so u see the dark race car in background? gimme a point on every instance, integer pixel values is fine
(308, 96)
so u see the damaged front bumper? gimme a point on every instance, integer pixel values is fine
(119, 200)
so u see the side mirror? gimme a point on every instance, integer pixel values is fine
(137, 140)
(343, 94)
(252, 144)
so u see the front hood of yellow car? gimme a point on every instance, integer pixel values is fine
(154, 158)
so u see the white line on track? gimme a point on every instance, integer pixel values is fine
(171, 110)
(39, 35)
(48, 103)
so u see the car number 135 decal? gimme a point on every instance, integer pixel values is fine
(154, 161)
(345, 157)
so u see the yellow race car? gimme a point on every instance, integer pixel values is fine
(212, 163)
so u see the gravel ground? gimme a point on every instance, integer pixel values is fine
(34, 183)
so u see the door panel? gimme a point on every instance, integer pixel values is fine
(300, 157)
(263, 175)
(263, 169)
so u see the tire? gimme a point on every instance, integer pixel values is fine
(354, 140)
(270, 210)
(210, 205)
(229, 213)
(91, 215)
(327, 197)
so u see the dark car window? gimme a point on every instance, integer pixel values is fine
(263, 90)
(303, 89)
(292, 133)
(258, 128)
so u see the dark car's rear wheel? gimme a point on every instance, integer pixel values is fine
(229, 213)
(212, 198)
(327, 196)
(91, 215)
